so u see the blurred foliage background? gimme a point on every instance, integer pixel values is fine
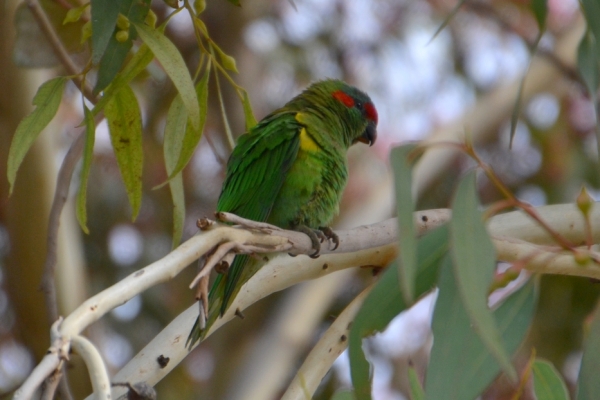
(464, 78)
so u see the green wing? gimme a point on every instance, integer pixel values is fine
(255, 173)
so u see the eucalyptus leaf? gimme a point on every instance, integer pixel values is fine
(88, 154)
(588, 387)
(547, 382)
(47, 100)
(474, 260)
(386, 301)
(174, 65)
(405, 207)
(125, 126)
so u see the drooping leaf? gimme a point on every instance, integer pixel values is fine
(135, 66)
(547, 382)
(117, 50)
(111, 62)
(591, 10)
(474, 259)
(588, 387)
(104, 19)
(192, 135)
(174, 65)
(385, 302)
(407, 236)
(588, 63)
(174, 132)
(88, 153)
(47, 100)
(248, 114)
(540, 10)
(460, 365)
(514, 118)
(343, 395)
(125, 125)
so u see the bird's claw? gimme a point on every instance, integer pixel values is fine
(318, 236)
(329, 234)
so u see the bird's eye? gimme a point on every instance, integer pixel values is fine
(358, 105)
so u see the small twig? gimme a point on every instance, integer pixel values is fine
(61, 194)
(222, 160)
(510, 197)
(226, 250)
(51, 384)
(64, 176)
(202, 298)
(45, 368)
(228, 133)
(247, 223)
(59, 50)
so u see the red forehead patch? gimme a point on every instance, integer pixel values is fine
(344, 98)
(371, 112)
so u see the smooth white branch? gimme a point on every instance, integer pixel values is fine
(373, 245)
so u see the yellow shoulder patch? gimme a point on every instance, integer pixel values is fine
(307, 143)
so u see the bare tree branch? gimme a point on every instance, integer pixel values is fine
(325, 352)
(368, 245)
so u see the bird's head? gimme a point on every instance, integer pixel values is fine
(356, 110)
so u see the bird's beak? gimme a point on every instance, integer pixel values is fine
(369, 135)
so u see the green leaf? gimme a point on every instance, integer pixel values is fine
(88, 153)
(117, 51)
(104, 20)
(174, 132)
(248, 114)
(343, 395)
(591, 10)
(192, 135)
(133, 68)
(111, 62)
(474, 259)
(407, 235)
(588, 387)
(460, 365)
(385, 302)
(125, 125)
(587, 63)
(416, 390)
(174, 65)
(519, 100)
(47, 100)
(540, 10)
(547, 382)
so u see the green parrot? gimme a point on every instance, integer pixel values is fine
(290, 170)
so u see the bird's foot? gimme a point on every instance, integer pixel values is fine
(318, 236)
(329, 234)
